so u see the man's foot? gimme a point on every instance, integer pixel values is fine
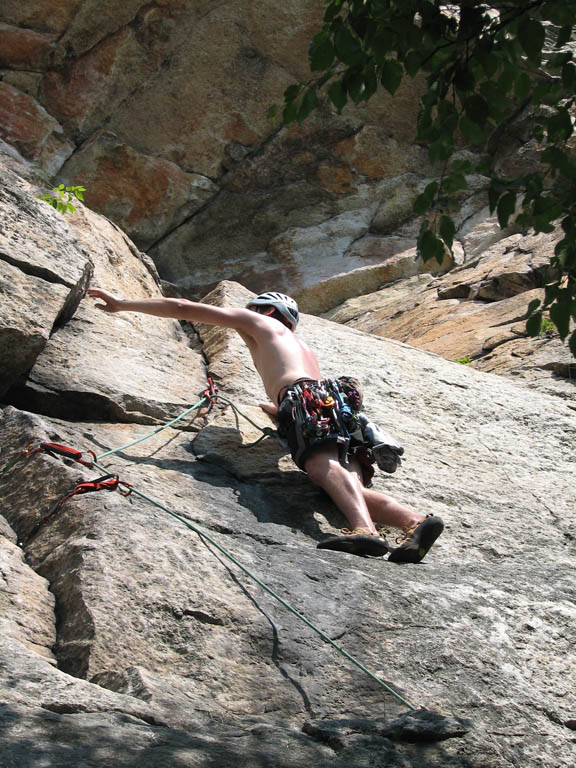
(417, 540)
(360, 541)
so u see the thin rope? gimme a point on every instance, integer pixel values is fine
(266, 431)
(11, 463)
(156, 431)
(271, 592)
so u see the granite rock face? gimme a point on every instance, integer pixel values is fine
(476, 313)
(130, 633)
(48, 336)
(160, 110)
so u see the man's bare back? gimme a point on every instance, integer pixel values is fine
(278, 355)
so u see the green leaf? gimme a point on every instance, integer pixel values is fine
(454, 182)
(476, 109)
(464, 79)
(531, 34)
(369, 83)
(533, 306)
(412, 63)
(347, 47)
(381, 42)
(560, 160)
(522, 86)
(290, 112)
(441, 150)
(560, 316)
(495, 97)
(472, 132)
(558, 12)
(291, 93)
(534, 324)
(569, 76)
(550, 293)
(547, 93)
(564, 35)
(332, 10)
(559, 126)
(391, 76)
(507, 79)
(471, 22)
(493, 197)
(557, 60)
(431, 247)
(320, 53)
(506, 207)
(490, 64)
(565, 252)
(353, 82)
(572, 343)
(425, 200)
(337, 95)
(307, 105)
(447, 230)
(461, 166)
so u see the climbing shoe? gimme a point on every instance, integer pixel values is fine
(360, 541)
(417, 540)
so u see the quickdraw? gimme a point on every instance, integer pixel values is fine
(211, 392)
(53, 449)
(104, 483)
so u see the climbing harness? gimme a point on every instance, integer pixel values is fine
(112, 482)
(321, 412)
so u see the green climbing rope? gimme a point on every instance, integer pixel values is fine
(270, 591)
(199, 404)
(266, 431)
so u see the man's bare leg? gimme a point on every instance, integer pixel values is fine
(362, 507)
(385, 510)
(343, 486)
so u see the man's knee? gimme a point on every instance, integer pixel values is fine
(324, 466)
(318, 466)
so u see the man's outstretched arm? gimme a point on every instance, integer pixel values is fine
(179, 309)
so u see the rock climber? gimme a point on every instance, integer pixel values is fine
(291, 377)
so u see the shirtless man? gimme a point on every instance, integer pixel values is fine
(267, 327)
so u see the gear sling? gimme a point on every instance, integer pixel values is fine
(313, 413)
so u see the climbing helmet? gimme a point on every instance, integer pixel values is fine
(284, 304)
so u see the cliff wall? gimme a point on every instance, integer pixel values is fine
(130, 640)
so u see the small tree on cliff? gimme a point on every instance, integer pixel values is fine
(486, 65)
